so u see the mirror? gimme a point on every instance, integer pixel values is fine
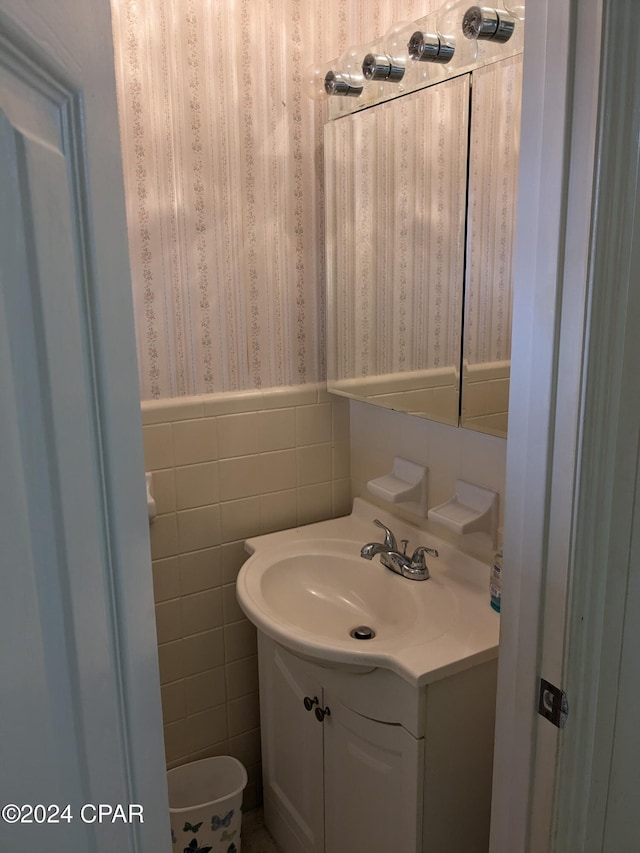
(405, 181)
(493, 177)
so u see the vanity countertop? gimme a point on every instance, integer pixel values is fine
(304, 586)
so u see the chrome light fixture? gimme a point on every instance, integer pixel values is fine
(378, 67)
(483, 23)
(390, 63)
(428, 47)
(341, 84)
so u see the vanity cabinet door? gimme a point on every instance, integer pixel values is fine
(292, 762)
(373, 784)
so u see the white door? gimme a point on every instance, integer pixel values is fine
(79, 691)
(571, 554)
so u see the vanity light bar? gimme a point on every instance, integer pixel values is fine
(479, 23)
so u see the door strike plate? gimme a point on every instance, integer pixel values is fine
(552, 703)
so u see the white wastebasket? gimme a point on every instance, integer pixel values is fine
(205, 799)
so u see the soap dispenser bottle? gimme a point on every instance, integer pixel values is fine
(495, 581)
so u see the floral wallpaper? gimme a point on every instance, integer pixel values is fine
(222, 157)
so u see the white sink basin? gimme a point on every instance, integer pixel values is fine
(308, 588)
(324, 590)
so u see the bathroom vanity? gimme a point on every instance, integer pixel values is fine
(375, 745)
(360, 762)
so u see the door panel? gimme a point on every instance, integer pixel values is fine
(292, 762)
(373, 788)
(69, 645)
(35, 660)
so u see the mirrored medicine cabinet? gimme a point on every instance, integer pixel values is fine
(420, 209)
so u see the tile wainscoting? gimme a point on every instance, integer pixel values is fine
(378, 435)
(226, 467)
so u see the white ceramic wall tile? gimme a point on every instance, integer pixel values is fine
(171, 409)
(231, 610)
(198, 528)
(246, 747)
(313, 424)
(201, 611)
(342, 497)
(239, 640)
(205, 690)
(200, 570)
(256, 432)
(206, 728)
(166, 579)
(296, 395)
(234, 471)
(170, 658)
(277, 471)
(339, 415)
(169, 620)
(482, 459)
(278, 511)
(163, 533)
(245, 476)
(196, 485)
(449, 453)
(175, 741)
(158, 446)
(315, 464)
(315, 503)
(341, 460)
(244, 714)
(203, 651)
(238, 477)
(195, 441)
(242, 677)
(276, 429)
(240, 519)
(220, 748)
(233, 555)
(173, 701)
(232, 403)
(163, 489)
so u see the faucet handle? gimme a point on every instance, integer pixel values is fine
(418, 555)
(389, 538)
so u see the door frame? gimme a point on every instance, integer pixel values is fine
(606, 513)
(574, 269)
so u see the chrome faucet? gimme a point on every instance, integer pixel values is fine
(414, 567)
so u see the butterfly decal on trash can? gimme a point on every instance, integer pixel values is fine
(194, 847)
(218, 822)
(228, 836)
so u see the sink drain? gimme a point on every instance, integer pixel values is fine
(362, 632)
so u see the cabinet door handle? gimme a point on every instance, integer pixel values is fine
(321, 713)
(309, 702)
